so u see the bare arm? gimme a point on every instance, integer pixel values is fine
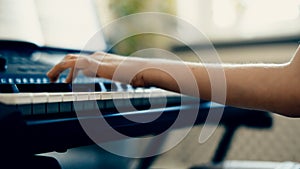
(273, 88)
(266, 87)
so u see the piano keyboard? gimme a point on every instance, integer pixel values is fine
(24, 85)
(48, 109)
(53, 98)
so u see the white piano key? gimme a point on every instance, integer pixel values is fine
(106, 95)
(55, 97)
(138, 93)
(118, 98)
(123, 99)
(66, 105)
(128, 94)
(146, 96)
(16, 98)
(39, 98)
(68, 97)
(81, 96)
(117, 95)
(39, 101)
(147, 93)
(171, 94)
(155, 92)
(94, 95)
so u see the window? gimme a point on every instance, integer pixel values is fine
(242, 20)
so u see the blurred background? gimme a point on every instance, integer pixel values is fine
(222, 21)
(242, 31)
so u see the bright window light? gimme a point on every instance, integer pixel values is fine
(224, 13)
(265, 12)
(243, 19)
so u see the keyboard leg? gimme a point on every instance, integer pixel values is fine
(224, 144)
(222, 149)
(146, 163)
(153, 147)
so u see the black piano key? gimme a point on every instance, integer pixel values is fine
(86, 87)
(48, 87)
(126, 87)
(110, 86)
(58, 87)
(3, 64)
(8, 88)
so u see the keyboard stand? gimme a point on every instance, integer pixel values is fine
(232, 119)
(263, 121)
